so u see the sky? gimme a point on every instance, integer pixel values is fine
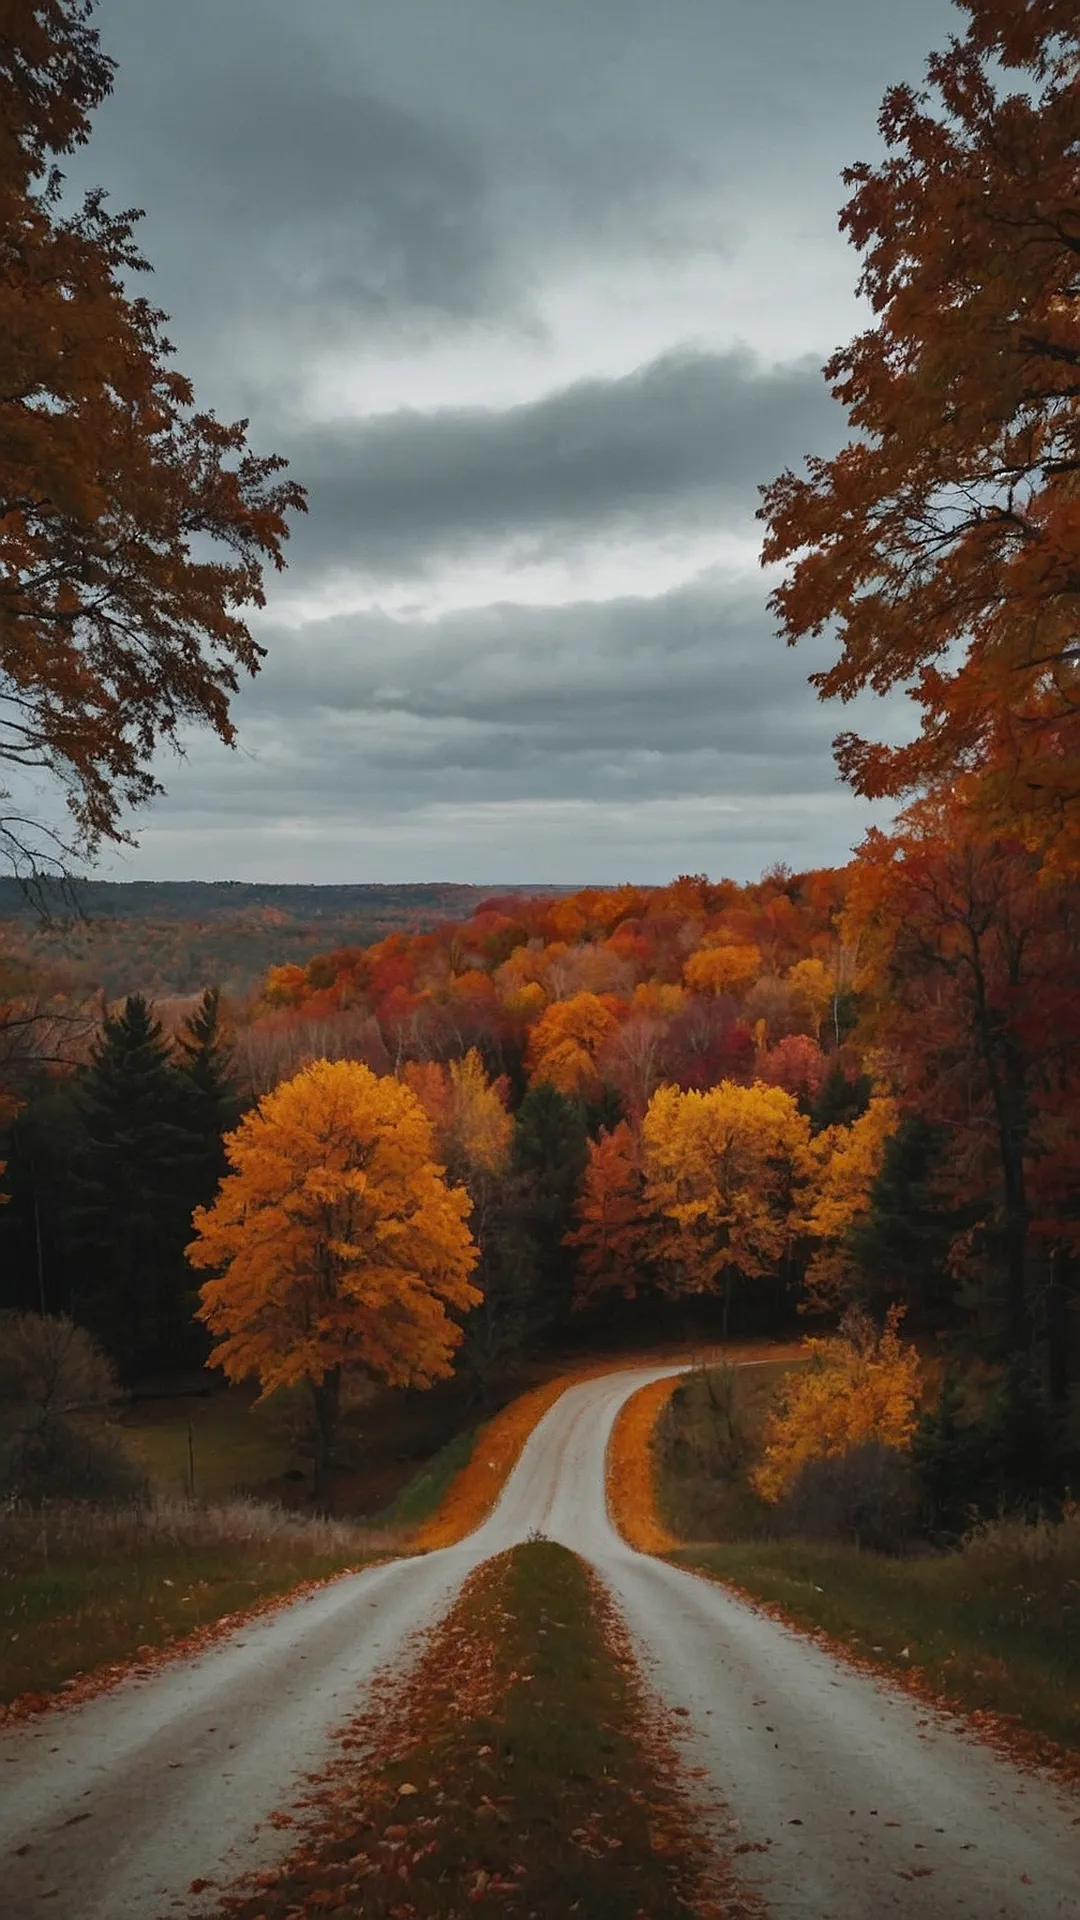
(533, 298)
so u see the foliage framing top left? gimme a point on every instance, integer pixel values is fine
(113, 635)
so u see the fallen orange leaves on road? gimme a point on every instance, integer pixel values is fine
(474, 1491)
(631, 1470)
(518, 1768)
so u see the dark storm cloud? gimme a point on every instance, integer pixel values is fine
(688, 691)
(287, 201)
(607, 740)
(401, 167)
(681, 444)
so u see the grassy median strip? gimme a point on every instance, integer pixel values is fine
(82, 1590)
(516, 1774)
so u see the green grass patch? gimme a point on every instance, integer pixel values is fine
(389, 1437)
(993, 1630)
(514, 1778)
(421, 1495)
(230, 1442)
(84, 1589)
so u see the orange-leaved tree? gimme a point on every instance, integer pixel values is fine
(724, 1169)
(337, 1242)
(942, 541)
(970, 980)
(567, 1040)
(861, 1385)
(616, 1234)
(133, 528)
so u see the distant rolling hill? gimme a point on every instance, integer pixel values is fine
(173, 937)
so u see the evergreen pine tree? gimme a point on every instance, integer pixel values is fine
(136, 1156)
(604, 1111)
(37, 1256)
(549, 1154)
(204, 1062)
(498, 1331)
(1025, 1443)
(948, 1456)
(841, 1100)
(901, 1243)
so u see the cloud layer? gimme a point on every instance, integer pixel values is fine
(533, 300)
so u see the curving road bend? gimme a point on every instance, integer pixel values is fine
(849, 1799)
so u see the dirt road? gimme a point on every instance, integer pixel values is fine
(859, 1806)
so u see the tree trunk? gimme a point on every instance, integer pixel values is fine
(1056, 1321)
(326, 1402)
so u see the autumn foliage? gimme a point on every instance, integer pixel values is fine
(941, 542)
(631, 1468)
(336, 1241)
(616, 1232)
(722, 1169)
(134, 528)
(860, 1386)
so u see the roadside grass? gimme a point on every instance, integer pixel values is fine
(233, 1443)
(238, 1446)
(469, 1495)
(707, 1438)
(991, 1628)
(421, 1496)
(83, 1588)
(631, 1468)
(515, 1774)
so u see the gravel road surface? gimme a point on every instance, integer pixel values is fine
(851, 1800)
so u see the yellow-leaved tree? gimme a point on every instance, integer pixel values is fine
(481, 1127)
(813, 988)
(862, 1384)
(728, 968)
(337, 1243)
(723, 1171)
(847, 1161)
(473, 1129)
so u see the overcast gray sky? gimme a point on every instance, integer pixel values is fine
(533, 297)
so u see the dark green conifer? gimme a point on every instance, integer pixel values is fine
(136, 1159)
(902, 1242)
(548, 1155)
(204, 1062)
